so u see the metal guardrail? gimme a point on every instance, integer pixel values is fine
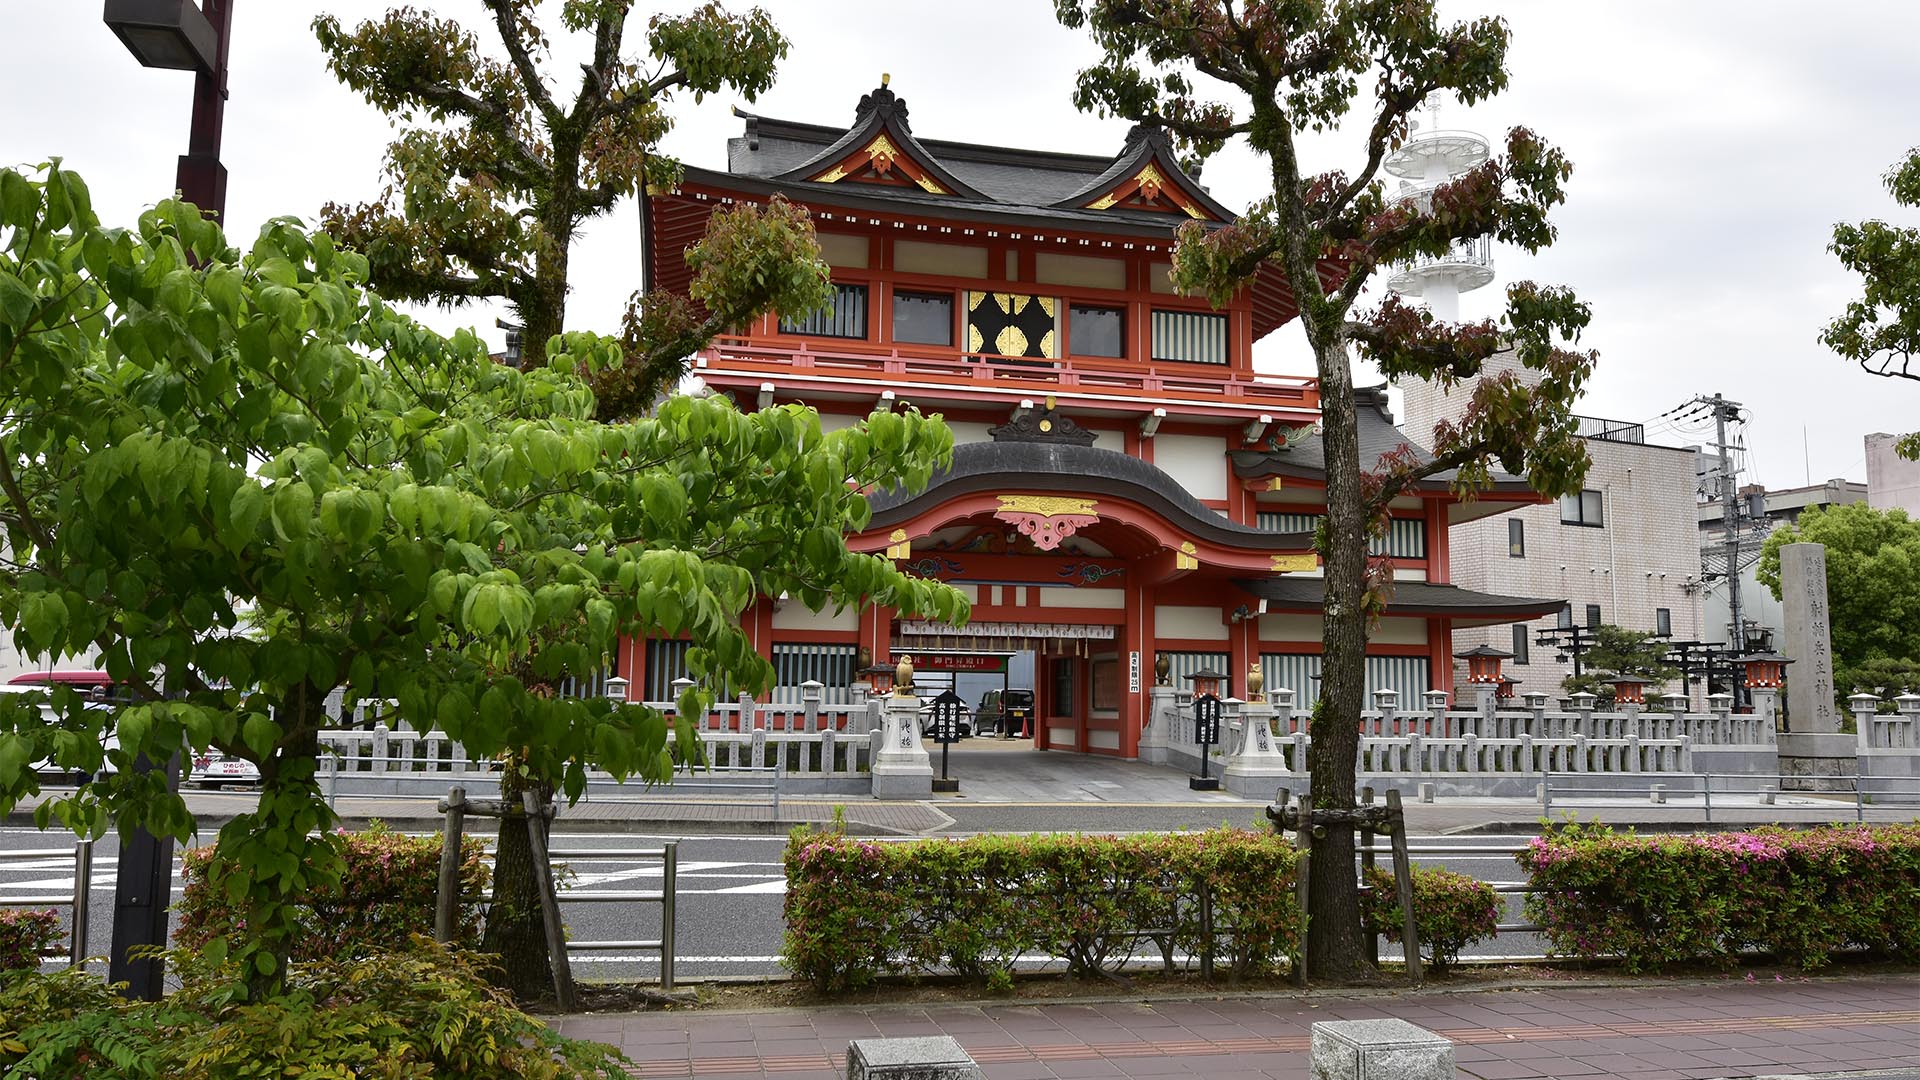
(1731, 788)
(78, 902)
(669, 855)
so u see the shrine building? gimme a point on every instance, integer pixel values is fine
(1124, 488)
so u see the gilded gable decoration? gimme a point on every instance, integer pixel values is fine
(1009, 324)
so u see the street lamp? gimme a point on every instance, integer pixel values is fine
(168, 34)
(178, 35)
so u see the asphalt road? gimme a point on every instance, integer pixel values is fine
(729, 894)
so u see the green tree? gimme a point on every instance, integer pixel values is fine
(494, 170)
(1873, 586)
(1618, 651)
(1881, 329)
(194, 432)
(1289, 69)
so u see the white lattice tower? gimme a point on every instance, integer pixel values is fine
(1432, 156)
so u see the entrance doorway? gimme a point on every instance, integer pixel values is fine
(996, 686)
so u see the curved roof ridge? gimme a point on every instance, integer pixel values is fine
(1147, 144)
(881, 111)
(1001, 466)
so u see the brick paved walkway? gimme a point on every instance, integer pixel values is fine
(1653, 1031)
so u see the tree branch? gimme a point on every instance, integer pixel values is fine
(504, 18)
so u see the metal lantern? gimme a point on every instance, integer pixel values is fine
(1206, 681)
(880, 676)
(1483, 664)
(1629, 689)
(1766, 671)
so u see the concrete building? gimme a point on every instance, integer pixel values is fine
(1892, 481)
(1623, 552)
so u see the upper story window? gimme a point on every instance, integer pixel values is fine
(1013, 324)
(1593, 616)
(1663, 622)
(845, 317)
(1520, 643)
(1097, 331)
(1516, 538)
(1190, 337)
(923, 318)
(1406, 537)
(1585, 508)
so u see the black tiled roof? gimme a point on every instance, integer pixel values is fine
(1409, 598)
(1379, 436)
(1035, 183)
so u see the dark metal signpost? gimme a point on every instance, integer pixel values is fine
(945, 716)
(1206, 729)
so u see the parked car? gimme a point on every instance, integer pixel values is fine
(213, 769)
(208, 768)
(1007, 713)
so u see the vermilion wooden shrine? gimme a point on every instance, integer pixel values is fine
(1125, 488)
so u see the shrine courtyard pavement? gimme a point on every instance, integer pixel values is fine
(1666, 1030)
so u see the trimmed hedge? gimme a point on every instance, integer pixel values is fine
(1451, 911)
(25, 935)
(1798, 894)
(858, 909)
(387, 896)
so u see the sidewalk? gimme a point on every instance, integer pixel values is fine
(1691, 1030)
(1120, 812)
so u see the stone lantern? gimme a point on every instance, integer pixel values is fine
(1483, 664)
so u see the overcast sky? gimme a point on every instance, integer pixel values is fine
(1715, 142)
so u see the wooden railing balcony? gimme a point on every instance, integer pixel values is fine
(738, 361)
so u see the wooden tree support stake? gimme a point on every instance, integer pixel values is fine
(446, 901)
(549, 903)
(1403, 884)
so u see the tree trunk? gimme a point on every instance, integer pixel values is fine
(286, 781)
(515, 930)
(1336, 946)
(542, 305)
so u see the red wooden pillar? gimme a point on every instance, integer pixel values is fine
(1136, 662)
(1440, 649)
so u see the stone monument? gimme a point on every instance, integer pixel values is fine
(1813, 752)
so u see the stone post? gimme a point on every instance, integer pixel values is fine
(1252, 768)
(902, 768)
(750, 719)
(810, 694)
(1582, 703)
(1813, 747)
(1157, 728)
(1437, 705)
(1909, 706)
(1863, 706)
(1766, 712)
(1537, 705)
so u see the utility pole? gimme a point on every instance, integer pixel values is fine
(1724, 410)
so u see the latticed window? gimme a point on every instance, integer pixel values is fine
(829, 665)
(1190, 337)
(1409, 676)
(845, 317)
(1406, 537)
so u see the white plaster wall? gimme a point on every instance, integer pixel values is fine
(1104, 599)
(1098, 739)
(919, 257)
(1115, 441)
(1081, 270)
(843, 249)
(1396, 631)
(1199, 462)
(1292, 627)
(795, 616)
(968, 431)
(1200, 623)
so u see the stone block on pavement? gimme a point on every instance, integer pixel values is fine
(931, 1057)
(1379, 1050)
